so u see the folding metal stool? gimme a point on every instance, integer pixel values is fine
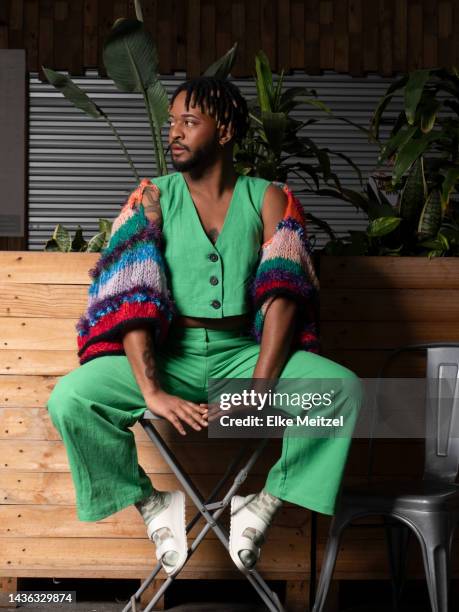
(210, 510)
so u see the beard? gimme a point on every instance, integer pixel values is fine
(198, 159)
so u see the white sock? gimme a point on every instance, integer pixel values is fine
(149, 507)
(265, 506)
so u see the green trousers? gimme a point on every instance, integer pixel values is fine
(94, 406)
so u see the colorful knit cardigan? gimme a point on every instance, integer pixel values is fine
(129, 287)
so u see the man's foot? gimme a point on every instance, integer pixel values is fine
(250, 519)
(164, 515)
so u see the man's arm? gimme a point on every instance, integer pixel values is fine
(139, 348)
(278, 324)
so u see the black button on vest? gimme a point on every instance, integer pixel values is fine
(213, 257)
(213, 280)
(215, 303)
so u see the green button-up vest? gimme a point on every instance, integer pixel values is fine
(208, 280)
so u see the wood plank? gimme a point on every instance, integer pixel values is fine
(341, 30)
(90, 31)
(386, 11)
(45, 521)
(22, 423)
(24, 333)
(165, 37)
(297, 35)
(62, 32)
(193, 43)
(57, 489)
(31, 33)
(39, 300)
(48, 363)
(16, 25)
(355, 37)
(253, 44)
(327, 45)
(268, 12)
(430, 34)
(283, 35)
(415, 35)
(4, 20)
(179, 9)
(238, 17)
(389, 305)
(373, 335)
(77, 557)
(212, 457)
(103, 556)
(366, 364)
(370, 37)
(389, 272)
(445, 34)
(46, 37)
(400, 35)
(312, 37)
(105, 21)
(207, 457)
(208, 43)
(42, 267)
(75, 41)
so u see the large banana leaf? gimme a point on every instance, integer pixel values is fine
(73, 93)
(131, 60)
(130, 56)
(376, 118)
(222, 67)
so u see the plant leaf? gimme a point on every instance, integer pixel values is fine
(414, 193)
(130, 56)
(73, 93)
(413, 92)
(62, 236)
(222, 67)
(96, 243)
(431, 215)
(382, 226)
(264, 82)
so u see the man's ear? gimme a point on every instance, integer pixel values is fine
(225, 134)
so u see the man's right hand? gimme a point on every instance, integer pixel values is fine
(176, 409)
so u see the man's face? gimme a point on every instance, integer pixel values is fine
(195, 135)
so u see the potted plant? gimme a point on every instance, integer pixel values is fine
(404, 290)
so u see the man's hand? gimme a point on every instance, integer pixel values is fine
(175, 409)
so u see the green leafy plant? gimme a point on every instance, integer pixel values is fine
(63, 242)
(274, 139)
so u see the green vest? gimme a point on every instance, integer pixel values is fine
(208, 280)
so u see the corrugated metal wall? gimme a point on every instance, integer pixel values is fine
(78, 174)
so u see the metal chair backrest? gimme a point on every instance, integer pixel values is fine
(441, 459)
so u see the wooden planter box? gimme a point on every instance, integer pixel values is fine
(368, 305)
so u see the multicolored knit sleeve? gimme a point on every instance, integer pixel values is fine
(129, 287)
(285, 268)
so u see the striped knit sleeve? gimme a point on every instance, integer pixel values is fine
(129, 287)
(285, 268)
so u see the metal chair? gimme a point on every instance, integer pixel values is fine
(209, 509)
(428, 507)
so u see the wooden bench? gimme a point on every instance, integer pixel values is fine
(42, 295)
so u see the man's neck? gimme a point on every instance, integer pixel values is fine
(211, 182)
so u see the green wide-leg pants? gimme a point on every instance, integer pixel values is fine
(94, 405)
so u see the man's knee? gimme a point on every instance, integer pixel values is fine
(62, 402)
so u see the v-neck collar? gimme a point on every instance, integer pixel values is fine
(228, 212)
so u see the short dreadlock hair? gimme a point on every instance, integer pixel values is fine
(218, 98)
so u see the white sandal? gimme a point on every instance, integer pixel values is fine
(241, 519)
(173, 518)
